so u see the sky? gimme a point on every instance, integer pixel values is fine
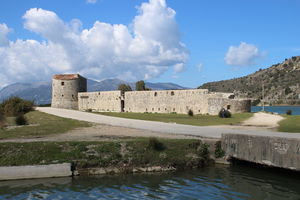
(185, 42)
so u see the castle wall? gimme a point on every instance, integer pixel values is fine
(233, 105)
(69, 92)
(181, 101)
(167, 101)
(103, 101)
(65, 91)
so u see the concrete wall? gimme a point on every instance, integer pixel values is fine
(100, 101)
(65, 92)
(35, 171)
(272, 151)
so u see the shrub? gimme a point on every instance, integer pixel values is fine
(190, 113)
(21, 120)
(219, 152)
(289, 112)
(287, 90)
(204, 151)
(224, 113)
(155, 144)
(2, 120)
(15, 106)
(255, 102)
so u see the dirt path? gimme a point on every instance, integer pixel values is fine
(113, 128)
(265, 120)
(259, 121)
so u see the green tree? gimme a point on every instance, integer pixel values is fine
(124, 88)
(140, 86)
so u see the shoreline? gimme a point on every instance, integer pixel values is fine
(279, 105)
(66, 159)
(30, 172)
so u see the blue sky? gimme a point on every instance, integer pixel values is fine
(190, 43)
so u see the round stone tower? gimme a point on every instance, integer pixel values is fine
(65, 88)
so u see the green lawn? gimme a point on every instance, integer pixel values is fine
(197, 120)
(291, 124)
(133, 153)
(40, 124)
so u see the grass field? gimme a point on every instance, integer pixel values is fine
(196, 120)
(40, 124)
(138, 152)
(291, 124)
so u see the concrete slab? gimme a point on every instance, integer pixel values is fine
(35, 171)
(273, 151)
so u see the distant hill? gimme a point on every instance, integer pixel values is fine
(281, 83)
(40, 92)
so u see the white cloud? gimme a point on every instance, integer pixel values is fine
(4, 30)
(179, 68)
(243, 55)
(200, 67)
(149, 48)
(91, 1)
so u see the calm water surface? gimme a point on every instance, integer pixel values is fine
(278, 109)
(220, 182)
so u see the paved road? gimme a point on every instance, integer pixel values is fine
(201, 131)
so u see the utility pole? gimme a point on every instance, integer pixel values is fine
(263, 97)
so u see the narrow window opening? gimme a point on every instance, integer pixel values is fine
(172, 93)
(228, 107)
(62, 83)
(155, 94)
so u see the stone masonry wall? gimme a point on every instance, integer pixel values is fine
(200, 101)
(65, 92)
(167, 101)
(69, 92)
(100, 101)
(233, 105)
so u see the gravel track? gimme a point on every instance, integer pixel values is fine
(168, 128)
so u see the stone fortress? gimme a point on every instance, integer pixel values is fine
(69, 91)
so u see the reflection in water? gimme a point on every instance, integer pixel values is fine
(218, 182)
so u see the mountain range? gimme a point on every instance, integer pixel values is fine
(278, 84)
(40, 92)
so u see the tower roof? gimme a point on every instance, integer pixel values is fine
(66, 76)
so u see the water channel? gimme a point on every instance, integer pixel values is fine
(216, 182)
